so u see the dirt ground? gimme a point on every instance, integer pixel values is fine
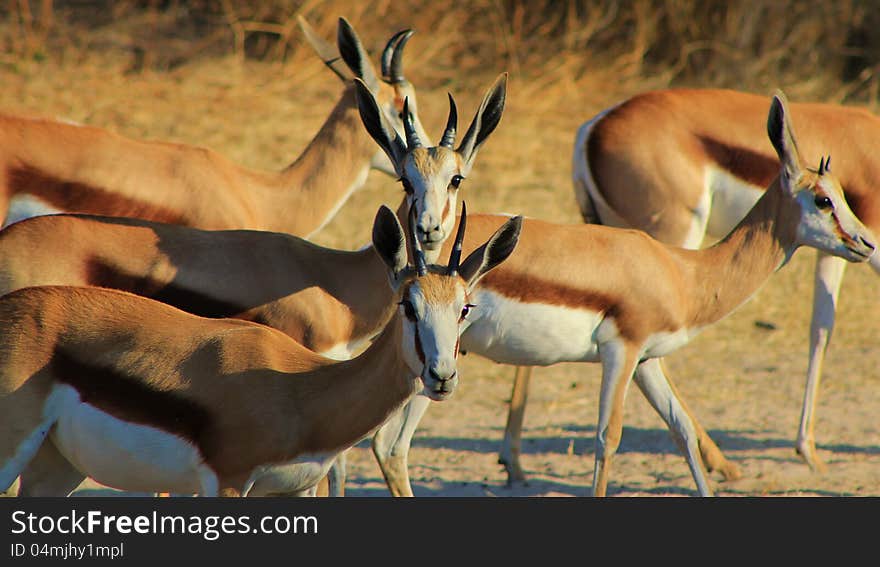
(744, 381)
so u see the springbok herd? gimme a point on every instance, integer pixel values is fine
(193, 341)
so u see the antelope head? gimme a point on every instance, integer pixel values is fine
(349, 60)
(433, 299)
(826, 222)
(432, 175)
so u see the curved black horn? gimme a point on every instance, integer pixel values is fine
(448, 139)
(455, 255)
(822, 165)
(418, 253)
(392, 65)
(412, 138)
(827, 164)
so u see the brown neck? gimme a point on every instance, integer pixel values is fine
(370, 300)
(727, 274)
(359, 283)
(336, 162)
(348, 400)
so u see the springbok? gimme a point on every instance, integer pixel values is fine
(142, 396)
(50, 166)
(574, 294)
(331, 301)
(683, 164)
(432, 176)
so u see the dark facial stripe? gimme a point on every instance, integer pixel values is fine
(418, 339)
(134, 402)
(838, 228)
(843, 235)
(81, 198)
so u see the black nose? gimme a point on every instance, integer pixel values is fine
(866, 242)
(433, 374)
(435, 228)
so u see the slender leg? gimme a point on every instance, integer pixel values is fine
(383, 440)
(210, 484)
(512, 444)
(828, 275)
(49, 474)
(18, 449)
(713, 458)
(323, 486)
(665, 400)
(618, 365)
(391, 444)
(336, 477)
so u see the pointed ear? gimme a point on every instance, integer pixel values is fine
(390, 242)
(485, 121)
(354, 55)
(781, 134)
(492, 253)
(378, 126)
(327, 52)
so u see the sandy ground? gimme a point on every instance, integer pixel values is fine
(744, 382)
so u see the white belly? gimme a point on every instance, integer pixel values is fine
(25, 206)
(530, 334)
(290, 478)
(124, 455)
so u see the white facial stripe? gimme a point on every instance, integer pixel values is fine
(438, 327)
(429, 177)
(835, 231)
(842, 213)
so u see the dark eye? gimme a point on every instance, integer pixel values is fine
(408, 310)
(823, 202)
(407, 186)
(466, 310)
(456, 180)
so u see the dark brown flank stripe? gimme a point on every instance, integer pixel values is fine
(133, 402)
(82, 198)
(745, 163)
(533, 290)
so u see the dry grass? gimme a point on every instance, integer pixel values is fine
(237, 79)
